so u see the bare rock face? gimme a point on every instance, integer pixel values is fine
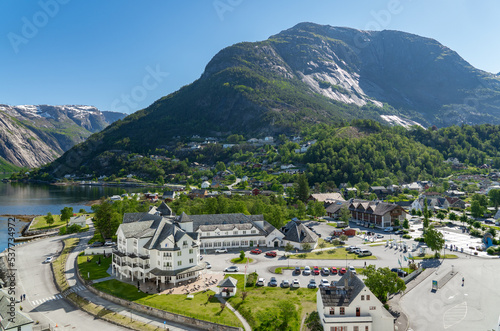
(31, 136)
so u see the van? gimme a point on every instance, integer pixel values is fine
(364, 252)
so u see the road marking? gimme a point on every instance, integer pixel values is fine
(455, 315)
(51, 298)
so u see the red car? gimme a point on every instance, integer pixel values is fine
(333, 270)
(271, 254)
(316, 270)
(256, 251)
(342, 271)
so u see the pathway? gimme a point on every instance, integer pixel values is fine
(237, 313)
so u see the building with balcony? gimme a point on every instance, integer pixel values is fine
(351, 306)
(152, 247)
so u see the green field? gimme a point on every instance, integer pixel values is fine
(237, 260)
(201, 306)
(332, 254)
(39, 223)
(91, 268)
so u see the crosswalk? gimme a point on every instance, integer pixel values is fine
(57, 296)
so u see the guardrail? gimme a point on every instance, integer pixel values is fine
(413, 275)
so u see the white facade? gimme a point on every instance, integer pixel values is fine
(357, 310)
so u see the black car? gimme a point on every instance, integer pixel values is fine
(97, 244)
(401, 273)
(297, 271)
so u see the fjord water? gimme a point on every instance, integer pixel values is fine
(39, 199)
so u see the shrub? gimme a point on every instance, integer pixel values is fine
(251, 279)
(62, 230)
(421, 240)
(406, 236)
(74, 228)
(491, 251)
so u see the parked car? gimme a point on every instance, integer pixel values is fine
(97, 244)
(295, 283)
(379, 236)
(388, 229)
(307, 271)
(208, 265)
(109, 244)
(342, 271)
(221, 250)
(324, 283)
(352, 269)
(333, 270)
(356, 250)
(260, 282)
(256, 251)
(285, 283)
(273, 282)
(350, 248)
(399, 232)
(201, 257)
(271, 254)
(48, 259)
(297, 271)
(329, 238)
(315, 270)
(400, 272)
(364, 252)
(325, 271)
(232, 268)
(312, 283)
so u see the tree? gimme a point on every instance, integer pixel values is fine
(464, 219)
(49, 219)
(302, 188)
(476, 209)
(406, 224)
(66, 214)
(283, 316)
(426, 215)
(382, 281)
(322, 244)
(452, 216)
(242, 255)
(306, 246)
(220, 166)
(440, 215)
(105, 219)
(288, 248)
(313, 322)
(434, 239)
(316, 208)
(343, 237)
(345, 214)
(494, 196)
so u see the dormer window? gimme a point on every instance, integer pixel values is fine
(332, 311)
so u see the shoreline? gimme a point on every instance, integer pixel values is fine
(23, 218)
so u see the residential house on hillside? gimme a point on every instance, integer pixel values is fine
(350, 305)
(412, 186)
(231, 230)
(205, 184)
(326, 197)
(169, 195)
(455, 202)
(434, 203)
(297, 234)
(372, 213)
(380, 191)
(198, 193)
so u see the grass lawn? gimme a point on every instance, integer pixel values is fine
(39, 222)
(332, 224)
(200, 306)
(279, 270)
(332, 254)
(59, 264)
(237, 260)
(431, 256)
(95, 271)
(261, 298)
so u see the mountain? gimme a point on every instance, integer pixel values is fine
(31, 136)
(304, 75)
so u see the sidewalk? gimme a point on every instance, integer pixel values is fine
(74, 282)
(237, 313)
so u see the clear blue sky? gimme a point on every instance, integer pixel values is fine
(96, 52)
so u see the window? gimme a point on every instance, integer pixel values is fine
(226, 233)
(167, 254)
(332, 311)
(167, 264)
(367, 328)
(235, 232)
(342, 311)
(362, 298)
(356, 328)
(191, 261)
(254, 231)
(179, 253)
(244, 232)
(190, 251)
(184, 243)
(368, 297)
(358, 311)
(373, 307)
(179, 263)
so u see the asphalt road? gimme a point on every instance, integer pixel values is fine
(43, 302)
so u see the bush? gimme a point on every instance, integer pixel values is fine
(475, 233)
(74, 228)
(420, 240)
(252, 279)
(491, 251)
(62, 231)
(406, 236)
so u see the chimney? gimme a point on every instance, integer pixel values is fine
(346, 282)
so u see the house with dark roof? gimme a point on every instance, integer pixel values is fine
(350, 305)
(169, 195)
(151, 246)
(227, 287)
(12, 319)
(297, 234)
(370, 213)
(231, 230)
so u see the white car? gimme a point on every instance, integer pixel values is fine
(324, 283)
(285, 283)
(389, 229)
(307, 271)
(208, 266)
(232, 268)
(295, 283)
(221, 250)
(261, 282)
(48, 259)
(352, 269)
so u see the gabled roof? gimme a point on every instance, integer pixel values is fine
(322, 197)
(297, 232)
(342, 295)
(226, 222)
(165, 210)
(8, 321)
(228, 282)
